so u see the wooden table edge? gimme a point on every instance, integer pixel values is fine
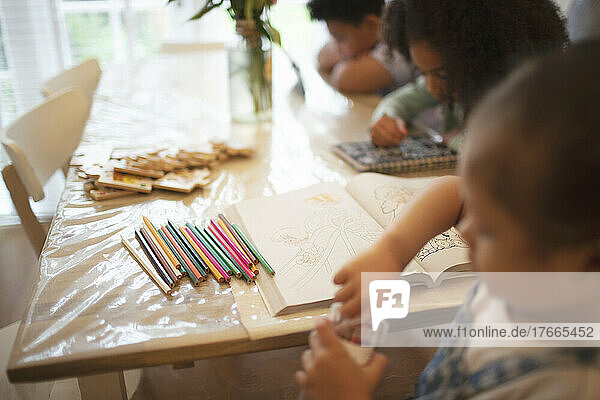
(149, 358)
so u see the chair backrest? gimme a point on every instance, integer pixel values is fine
(43, 140)
(85, 76)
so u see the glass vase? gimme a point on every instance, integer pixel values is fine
(250, 83)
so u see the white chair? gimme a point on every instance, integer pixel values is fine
(85, 76)
(38, 144)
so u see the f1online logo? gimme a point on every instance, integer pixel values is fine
(389, 299)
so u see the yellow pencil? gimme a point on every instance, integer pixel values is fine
(173, 263)
(212, 268)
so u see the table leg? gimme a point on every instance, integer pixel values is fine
(103, 387)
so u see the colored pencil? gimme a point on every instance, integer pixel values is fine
(239, 240)
(232, 269)
(241, 265)
(184, 266)
(209, 235)
(208, 254)
(179, 260)
(158, 254)
(211, 249)
(247, 259)
(226, 245)
(173, 263)
(157, 266)
(154, 277)
(237, 251)
(189, 250)
(262, 260)
(218, 276)
(183, 255)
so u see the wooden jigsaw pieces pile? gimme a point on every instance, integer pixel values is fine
(129, 171)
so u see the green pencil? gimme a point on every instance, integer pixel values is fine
(211, 249)
(187, 252)
(219, 249)
(254, 250)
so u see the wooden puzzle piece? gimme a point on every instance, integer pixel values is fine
(184, 181)
(118, 180)
(128, 168)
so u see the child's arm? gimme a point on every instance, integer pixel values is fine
(434, 211)
(362, 74)
(328, 57)
(398, 109)
(329, 371)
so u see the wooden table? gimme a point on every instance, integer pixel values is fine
(93, 310)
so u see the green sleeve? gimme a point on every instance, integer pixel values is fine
(406, 102)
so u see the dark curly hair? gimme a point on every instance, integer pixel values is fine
(479, 40)
(349, 11)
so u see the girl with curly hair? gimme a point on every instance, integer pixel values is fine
(461, 47)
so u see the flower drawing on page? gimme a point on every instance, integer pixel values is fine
(327, 235)
(392, 198)
(447, 240)
(293, 237)
(324, 199)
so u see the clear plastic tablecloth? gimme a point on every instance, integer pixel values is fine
(92, 302)
(92, 299)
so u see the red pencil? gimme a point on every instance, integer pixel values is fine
(239, 240)
(225, 236)
(240, 263)
(207, 254)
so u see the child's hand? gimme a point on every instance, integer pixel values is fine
(382, 257)
(388, 131)
(329, 371)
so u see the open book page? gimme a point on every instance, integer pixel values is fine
(307, 235)
(384, 197)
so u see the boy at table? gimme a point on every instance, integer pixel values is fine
(355, 60)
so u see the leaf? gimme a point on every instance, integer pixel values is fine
(272, 33)
(269, 32)
(208, 6)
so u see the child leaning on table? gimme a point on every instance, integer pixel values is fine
(526, 200)
(462, 48)
(355, 60)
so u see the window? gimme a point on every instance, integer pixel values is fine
(38, 38)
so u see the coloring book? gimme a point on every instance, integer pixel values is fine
(308, 234)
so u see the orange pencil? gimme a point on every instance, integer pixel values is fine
(212, 268)
(245, 257)
(173, 262)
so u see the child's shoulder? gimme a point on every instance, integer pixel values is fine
(545, 373)
(526, 372)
